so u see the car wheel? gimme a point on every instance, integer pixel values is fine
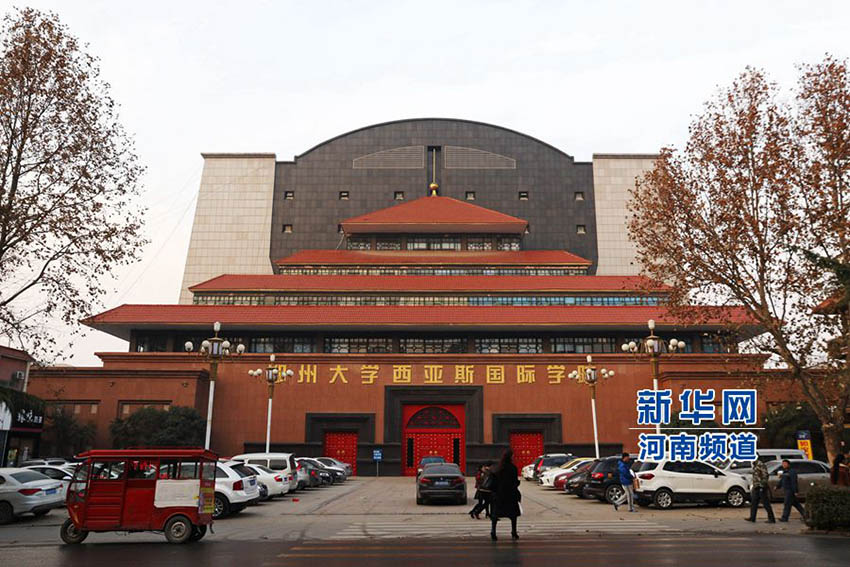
(663, 499)
(735, 497)
(6, 514)
(613, 493)
(70, 534)
(221, 508)
(178, 529)
(197, 533)
(581, 494)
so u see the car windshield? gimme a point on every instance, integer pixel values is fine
(443, 469)
(264, 469)
(242, 470)
(429, 460)
(29, 476)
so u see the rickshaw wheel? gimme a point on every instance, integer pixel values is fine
(198, 532)
(70, 534)
(178, 529)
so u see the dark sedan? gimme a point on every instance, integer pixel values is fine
(441, 482)
(578, 482)
(604, 480)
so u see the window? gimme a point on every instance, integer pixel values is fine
(470, 195)
(343, 195)
(287, 228)
(674, 466)
(807, 468)
(433, 243)
(432, 346)
(288, 195)
(141, 469)
(523, 195)
(388, 244)
(581, 229)
(509, 345)
(584, 344)
(108, 470)
(126, 409)
(360, 345)
(358, 243)
(479, 243)
(508, 243)
(714, 343)
(579, 195)
(398, 195)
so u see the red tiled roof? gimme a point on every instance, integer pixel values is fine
(462, 258)
(120, 320)
(237, 282)
(435, 214)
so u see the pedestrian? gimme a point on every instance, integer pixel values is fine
(788, 482)
(760, 493)
(840, 474)
(627, 478)
(482, 492)
(506, 496)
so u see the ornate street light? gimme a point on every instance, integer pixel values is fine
(586, 374)
(213, 350)
(272, 378)
(654, 347)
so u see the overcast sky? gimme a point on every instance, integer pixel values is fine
(283, 76)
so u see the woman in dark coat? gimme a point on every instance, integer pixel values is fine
(506, 496)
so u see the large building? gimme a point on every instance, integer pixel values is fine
(431, 284)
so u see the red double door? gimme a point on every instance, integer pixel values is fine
(342, 446)
(432, 430)
(526, 446)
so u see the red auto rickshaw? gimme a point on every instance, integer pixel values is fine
(134, 490)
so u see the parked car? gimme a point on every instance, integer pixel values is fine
(527, 471)
(550, 461)
(53, 461)
(561, 480)
(25, 491)
(766, 456)
(280, 462)
(337, 473)
(331, 462)
(663, 483)
(235, 488)
(578, 482)
(63, 474)
(441, 481)
(809, 474)
(313, 476)
(604, 480)
(547, 479)
(275, 483)
(433, 459)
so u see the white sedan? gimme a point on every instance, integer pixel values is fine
(528, 470)
(62, 473)
(23, 491)
(276, 483)
(547, 478)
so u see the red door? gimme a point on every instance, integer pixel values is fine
(526, 446)
(342, 446)
(432, 431)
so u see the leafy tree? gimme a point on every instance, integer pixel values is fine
(733, 218)
(676, 423)
(150, 427)
(65, 436)
(69, 181)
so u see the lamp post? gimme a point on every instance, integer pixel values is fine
(654, 347)
(213, 350)
(273, 377)
(586, 374)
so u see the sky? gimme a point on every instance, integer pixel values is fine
(252, 76)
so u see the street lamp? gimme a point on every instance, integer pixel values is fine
(273, 377)
(586, 374)
(654, 347)
(213, 350)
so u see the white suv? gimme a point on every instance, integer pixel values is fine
(235, 488)
(280, 462)
(664, 483)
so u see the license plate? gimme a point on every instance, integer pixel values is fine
(441, 483)
(51, 491)
(253, 481)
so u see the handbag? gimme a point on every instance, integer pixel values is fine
(519, 507)
(487, 483)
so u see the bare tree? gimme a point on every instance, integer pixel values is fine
(69, 182)
(731, 218)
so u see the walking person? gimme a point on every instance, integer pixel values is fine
(506, 496)
(760, 493)
(482, 492)
(788, 482)
(627, 479)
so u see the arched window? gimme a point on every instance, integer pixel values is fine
(433, 418)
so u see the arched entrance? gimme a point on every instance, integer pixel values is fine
(432, 430)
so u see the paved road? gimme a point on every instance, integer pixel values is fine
(589, 551)
(375, 521)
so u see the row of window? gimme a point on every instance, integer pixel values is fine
(157, 342)
(418, 300)
(399, 195)
(510, 243)
(427, 271)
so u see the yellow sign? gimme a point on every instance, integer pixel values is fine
(806, 445)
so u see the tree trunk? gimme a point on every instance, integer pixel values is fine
(832, 437)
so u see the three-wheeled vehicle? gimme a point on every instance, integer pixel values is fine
(134, 490)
